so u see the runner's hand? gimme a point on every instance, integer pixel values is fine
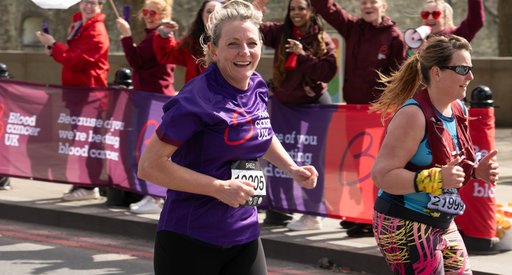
(169, 25)
(453, 174)
(123, 27)
(305, 176)
(487, 168)
(260, 4)
(234, 192)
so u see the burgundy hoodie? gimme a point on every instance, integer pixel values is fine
(473, 22)
(368, 49)
(148, 74)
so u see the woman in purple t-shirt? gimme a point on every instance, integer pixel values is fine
(205, 152)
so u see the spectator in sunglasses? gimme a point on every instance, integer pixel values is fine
(148, 74)
(426, 157)
(439, 15)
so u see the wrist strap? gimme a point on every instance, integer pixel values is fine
(429, 181)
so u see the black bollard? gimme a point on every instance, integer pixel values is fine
(481, 97)
(4, 72)
(116, 196)
(123, 78)
(478, 223)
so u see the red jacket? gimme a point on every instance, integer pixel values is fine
(168, 51)
(368, 49)
(318, 71)
(148, 74)
(473, 22)
(85, 57)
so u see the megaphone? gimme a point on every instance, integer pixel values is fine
(414, 37)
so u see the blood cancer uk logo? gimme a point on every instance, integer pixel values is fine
(243, 127)
(18, 125)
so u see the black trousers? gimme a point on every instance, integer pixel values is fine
(179, 254)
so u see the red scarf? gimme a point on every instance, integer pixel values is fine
(291, 61)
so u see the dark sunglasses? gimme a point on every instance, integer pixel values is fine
(460, 69)
(146, 12)
(435, 14)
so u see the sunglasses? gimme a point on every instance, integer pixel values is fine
(150, 13)
(435, 14)
(460, 69)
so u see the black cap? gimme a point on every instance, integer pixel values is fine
(4, 73)
(481, 97)
(123, 77)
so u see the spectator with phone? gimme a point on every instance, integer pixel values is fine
(84, 59)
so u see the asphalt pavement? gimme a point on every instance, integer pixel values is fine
(39, 202)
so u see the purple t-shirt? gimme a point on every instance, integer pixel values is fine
(214, 124)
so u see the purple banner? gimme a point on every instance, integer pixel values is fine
(76, 135)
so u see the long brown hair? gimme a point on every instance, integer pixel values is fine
(403, 84)
(318, 48)
(196, 31)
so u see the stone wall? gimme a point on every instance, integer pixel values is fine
(493, 72)
(404, 12)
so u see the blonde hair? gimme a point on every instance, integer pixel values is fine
(164, 8)
(403, 84)
(230, 11)
(446, 9)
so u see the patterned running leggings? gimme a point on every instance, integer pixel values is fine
(414, 248)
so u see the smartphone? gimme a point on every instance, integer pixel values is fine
(126, 13)
(45, 27)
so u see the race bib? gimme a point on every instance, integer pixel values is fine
(449, 202)
(249, 170)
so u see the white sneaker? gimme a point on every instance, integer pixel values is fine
(80, 194)
(148, 205)
(306, 222)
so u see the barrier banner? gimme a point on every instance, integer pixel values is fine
(341, 141)
(479, 218)
(76, 135)
(95, 136)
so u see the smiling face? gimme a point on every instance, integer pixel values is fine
(452, 83)
(89, 9)
(238, 52)
(208, 9)
(373, 10)
(432, 15)
(152, 15)
(300, 12)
